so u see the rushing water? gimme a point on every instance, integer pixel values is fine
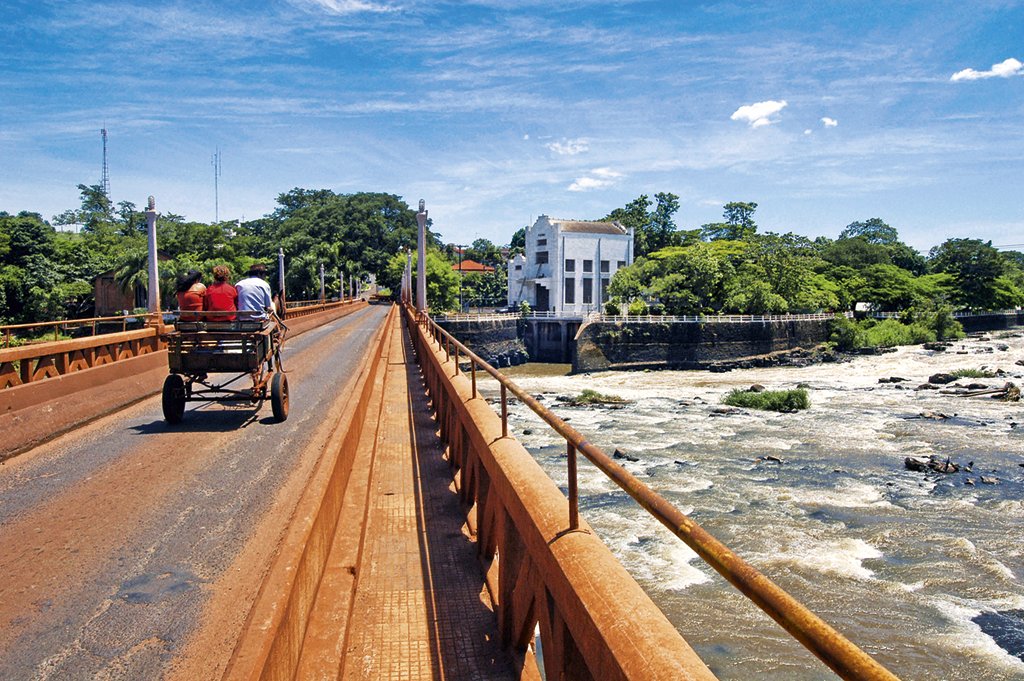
(922, 571)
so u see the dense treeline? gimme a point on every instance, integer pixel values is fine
(48, 274)
(727, 266)
(731, 267)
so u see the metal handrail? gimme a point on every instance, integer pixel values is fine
(59, 324)
(840, 654)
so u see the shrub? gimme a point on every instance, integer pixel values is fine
(890, 333)
(972, 373)
(847, 334)
(769, 400)
(612, 308)
(524, 308)
(637, 308)
(589, 396)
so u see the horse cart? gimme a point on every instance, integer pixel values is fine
(248, 346)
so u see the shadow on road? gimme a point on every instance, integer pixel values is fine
(200, 420)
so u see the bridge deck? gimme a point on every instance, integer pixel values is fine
(420, 610)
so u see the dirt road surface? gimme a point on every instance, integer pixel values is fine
(130, 549)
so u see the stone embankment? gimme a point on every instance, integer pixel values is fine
(497, 342)
(601, 346)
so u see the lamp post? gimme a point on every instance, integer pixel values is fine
(280, 279)
(459, 246)
(323, 290)
(421, 259)
(154, 279)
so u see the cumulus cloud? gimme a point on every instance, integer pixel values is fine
(759, 114)
(1004, 69)
(829, 122)
(598, 178)
(569, 147)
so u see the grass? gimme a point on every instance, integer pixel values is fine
(972, 373)
(769, 400)
(589, 396)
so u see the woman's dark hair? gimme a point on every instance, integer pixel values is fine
(186, 280)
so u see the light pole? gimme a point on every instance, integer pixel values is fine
(459, 246)
(280, 280)
(421, 259)
(154, 279)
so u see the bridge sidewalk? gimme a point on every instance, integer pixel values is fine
(420, 610)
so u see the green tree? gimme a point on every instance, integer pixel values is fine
(975, 266)
(872, 230)
(738, 223)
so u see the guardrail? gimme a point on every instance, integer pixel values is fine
(38, 361)
(10, 331)
(956, 315)
(501, 524)
(640, 319)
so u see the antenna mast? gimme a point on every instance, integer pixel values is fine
(216, 188)
(105, 177)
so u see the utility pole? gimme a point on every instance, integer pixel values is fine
(459, 246)
(323, 291)
(105, 176)
(280, 279)
(153, 285)
(421, 259)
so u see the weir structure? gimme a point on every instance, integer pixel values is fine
(428, 543)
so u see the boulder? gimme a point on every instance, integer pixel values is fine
(756, 388)
(941, 379)
(619, 454)
(989, 480)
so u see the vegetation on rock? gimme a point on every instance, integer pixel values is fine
(769, 400)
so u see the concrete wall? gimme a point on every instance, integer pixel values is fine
(601, 346)
(499, 343)
(994, 322)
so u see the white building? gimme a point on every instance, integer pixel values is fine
(568, 264)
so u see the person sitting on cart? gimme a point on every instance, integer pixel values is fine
(190, 291)
(221, 296)
(254, 293)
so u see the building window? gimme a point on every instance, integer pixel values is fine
(605, 266)
(570, 291)
(588, 290)
(620, 264)
(519, 267)
(588, 265)
(541, 257)
(604, 290)
(542, 242)
(570, 265)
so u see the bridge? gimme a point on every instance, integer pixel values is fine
(391, 528)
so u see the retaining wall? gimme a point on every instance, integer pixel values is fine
(601, 346)
(497, 342)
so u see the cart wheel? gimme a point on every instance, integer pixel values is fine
(174, 398)
(279, 396)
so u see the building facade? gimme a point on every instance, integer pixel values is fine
(568, 264)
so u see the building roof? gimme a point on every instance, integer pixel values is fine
(471, 266)
(589, 227)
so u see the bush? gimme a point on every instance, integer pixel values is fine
(589, 396)
(612, 308)
(847, 334)
(524, 308)
(972, 373)
(890, 333)
(769, 400)
(637, 308)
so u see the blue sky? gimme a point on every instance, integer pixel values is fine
(497, 111)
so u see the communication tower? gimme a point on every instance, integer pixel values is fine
(216, 189)
(105, 177)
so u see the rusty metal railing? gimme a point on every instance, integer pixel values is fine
(10, 331)
(835, 650)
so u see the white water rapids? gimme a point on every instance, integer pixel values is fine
(925, 572)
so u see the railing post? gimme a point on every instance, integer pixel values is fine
(472, 369)
(574, 499)
(456, 359)
(504, 412)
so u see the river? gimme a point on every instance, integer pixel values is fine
(922, 571)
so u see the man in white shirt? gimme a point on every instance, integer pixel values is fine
(254, 293)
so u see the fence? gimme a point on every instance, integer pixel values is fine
(642, 319)
(524, 588)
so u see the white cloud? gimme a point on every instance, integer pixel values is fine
(598, 178)
(526, 136)
(347, 6)
(1004, 69)
(829, 122)
(759, 114)
(808, 131)
(569, 147)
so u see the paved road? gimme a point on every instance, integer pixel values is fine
(131, 549)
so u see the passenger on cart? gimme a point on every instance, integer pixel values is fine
(254, 293)
(190, 291)
(220, 296)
